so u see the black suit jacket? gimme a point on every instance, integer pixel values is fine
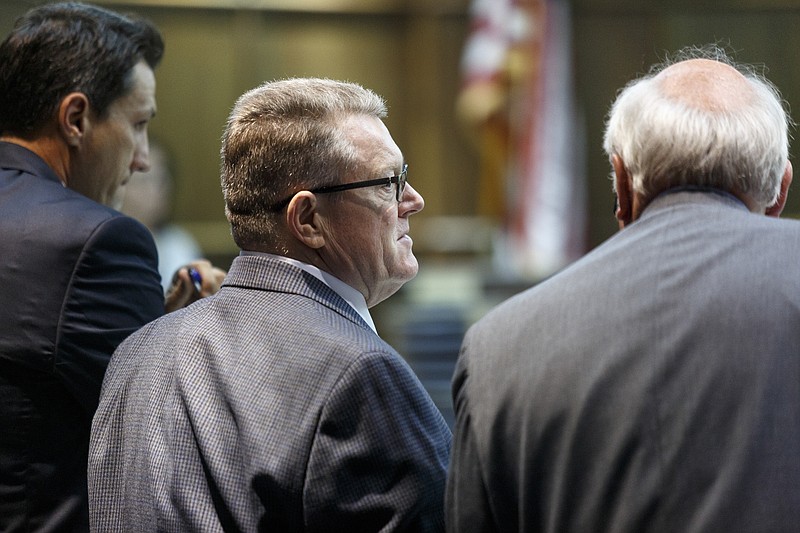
(76, 279)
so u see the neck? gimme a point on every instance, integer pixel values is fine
(51, 151)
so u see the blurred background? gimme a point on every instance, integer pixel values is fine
(498, 106)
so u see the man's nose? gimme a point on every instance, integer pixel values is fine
(412, 201)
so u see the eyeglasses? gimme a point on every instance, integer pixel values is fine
(398, 180)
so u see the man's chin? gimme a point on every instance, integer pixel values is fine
(410, 270)
(401, 276)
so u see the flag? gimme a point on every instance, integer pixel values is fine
(518, 94)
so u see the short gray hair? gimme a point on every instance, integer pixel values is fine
(664, 143)
(282, 137)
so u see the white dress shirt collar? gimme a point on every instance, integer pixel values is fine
(348, 293)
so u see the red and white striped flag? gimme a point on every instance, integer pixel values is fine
(518, 89)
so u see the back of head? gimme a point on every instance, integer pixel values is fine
(58, 49)
(700, 119)
(283, 137)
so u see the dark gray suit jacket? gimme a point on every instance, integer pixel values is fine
(270, 406)
(653, 386)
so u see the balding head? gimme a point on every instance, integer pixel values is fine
(701, 121)
(706, 85)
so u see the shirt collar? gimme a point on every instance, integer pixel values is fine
(701, 188)
(348, 293)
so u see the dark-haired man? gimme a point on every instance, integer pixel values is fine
(77, 277)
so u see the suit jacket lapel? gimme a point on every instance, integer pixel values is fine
(266, 274)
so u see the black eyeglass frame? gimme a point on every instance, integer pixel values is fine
(399, 180)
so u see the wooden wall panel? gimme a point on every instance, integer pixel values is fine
(616, 41)
(409, 51)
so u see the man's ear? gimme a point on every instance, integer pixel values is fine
(304, 220)
(73, 118)
(776, 209)
(624, 188)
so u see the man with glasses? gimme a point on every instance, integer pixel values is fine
(275, 405)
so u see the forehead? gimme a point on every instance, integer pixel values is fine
(141, 98)
(372, 141)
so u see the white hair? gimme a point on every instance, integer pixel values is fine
(665, 143)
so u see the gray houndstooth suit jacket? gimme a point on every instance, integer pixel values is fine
(270, 406)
